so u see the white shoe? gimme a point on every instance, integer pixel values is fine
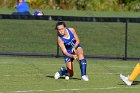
(57, 75)
(85, 78)
(125, 80)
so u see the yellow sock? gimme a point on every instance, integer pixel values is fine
(135, 72)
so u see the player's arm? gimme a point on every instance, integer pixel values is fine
(76, 38)
(63, 48)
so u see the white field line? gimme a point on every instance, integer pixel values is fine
(8, 75)
(61, 64)
(122, 66)
(25, 63)
(75, 89)
(24, 91)
(10, 62)
(107, 88)
(25, 75)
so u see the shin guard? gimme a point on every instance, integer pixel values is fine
(83, 64)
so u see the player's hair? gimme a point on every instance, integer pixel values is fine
(60, 23)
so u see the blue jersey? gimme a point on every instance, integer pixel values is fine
(70, 41)
(22, 7)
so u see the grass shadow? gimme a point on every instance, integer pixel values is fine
(64, 77)
(136, 83)
(50, 76)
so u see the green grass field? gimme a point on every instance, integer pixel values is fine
(35, 75)
(97, 38)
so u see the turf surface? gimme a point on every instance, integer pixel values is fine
(35, 75)
(97, 38)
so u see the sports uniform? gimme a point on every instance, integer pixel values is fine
(67, 39)
(69, 43)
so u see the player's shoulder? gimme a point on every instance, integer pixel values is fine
(59, 39)
(72, 29)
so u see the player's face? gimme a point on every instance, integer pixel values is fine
(20, 1)
(61, 29)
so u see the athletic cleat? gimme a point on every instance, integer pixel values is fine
(60, 73)
(57, 75)
(125, 80)
(85, 78)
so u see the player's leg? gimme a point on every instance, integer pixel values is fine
(135, 72)
(63, 70)
(129, 80)
(60, 73)
(67, 72)
(82, 62)
(70, 67)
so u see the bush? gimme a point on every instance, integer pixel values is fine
(133, 6)
(96, 5)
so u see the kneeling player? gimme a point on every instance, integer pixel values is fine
(69, 43)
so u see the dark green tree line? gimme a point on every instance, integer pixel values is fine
(96, 5)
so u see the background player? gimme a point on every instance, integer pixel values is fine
(22, 8)
(69, 43)
(129, 79)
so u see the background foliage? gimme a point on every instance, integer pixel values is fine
(96, 5)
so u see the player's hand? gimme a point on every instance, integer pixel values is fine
(75, 57)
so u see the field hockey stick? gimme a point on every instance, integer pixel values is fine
(75, 52)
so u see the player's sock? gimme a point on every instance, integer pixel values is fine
(135, 72)
(83, 64)
(63, 71)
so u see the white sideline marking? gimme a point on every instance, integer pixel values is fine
(61, 64)
(25, 63)
(31, 63)
(29, 91)
(21, 75)
(122, 66)
(9, 62)
(107, 88)
(7, 75)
